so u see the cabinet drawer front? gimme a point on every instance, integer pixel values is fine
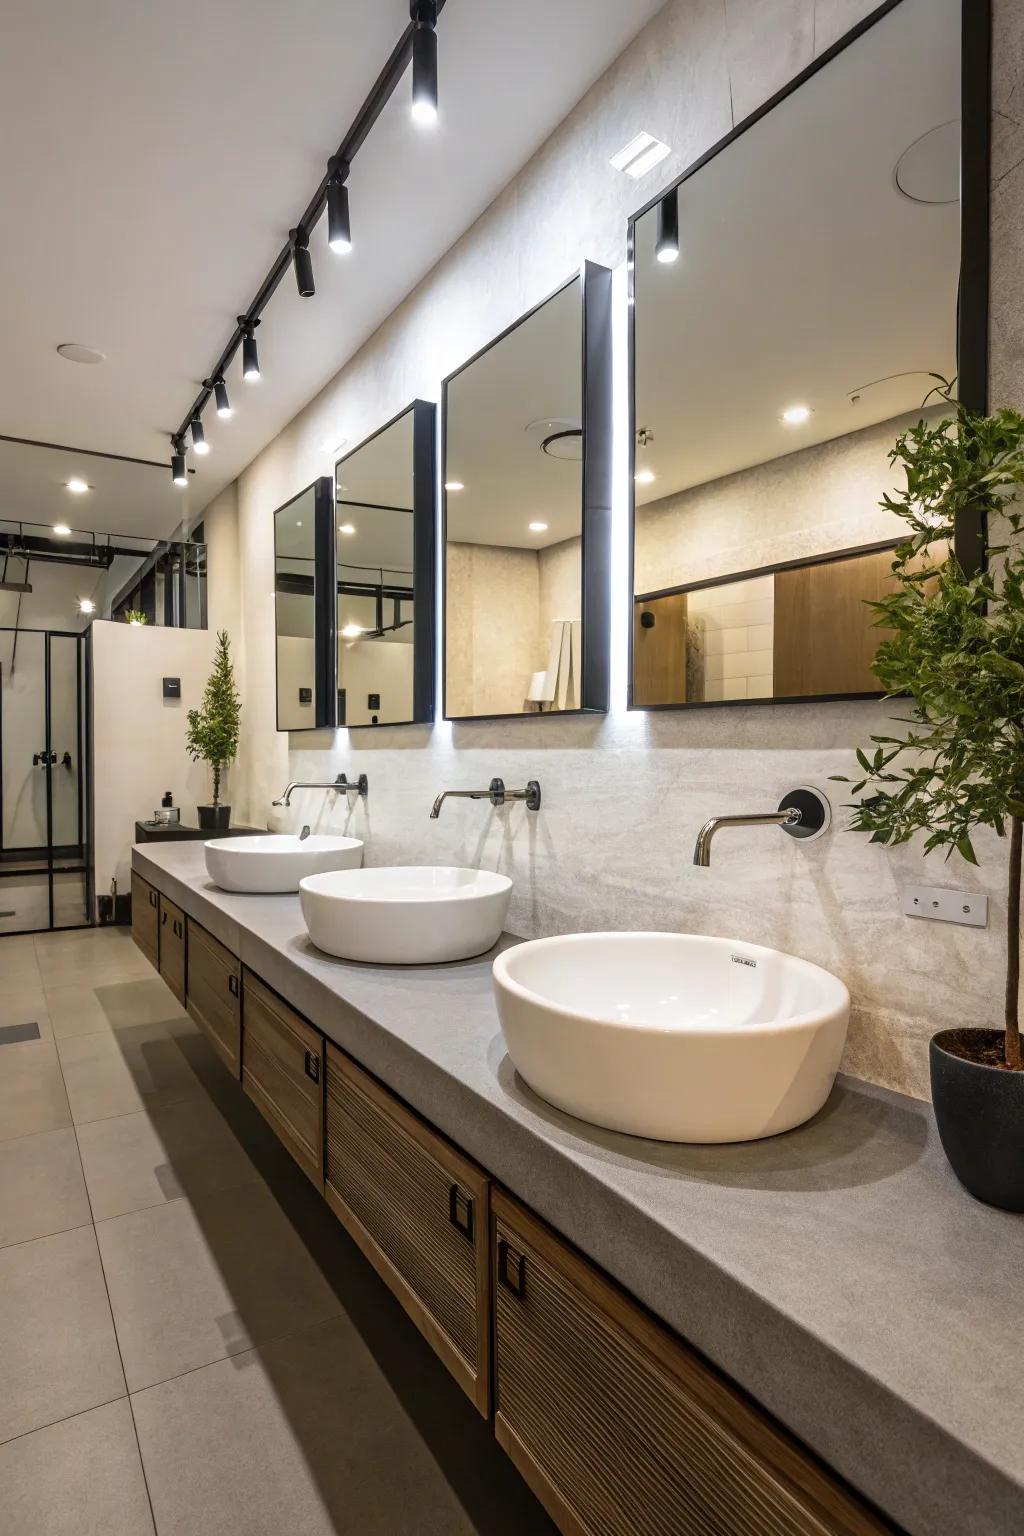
(214, 992)
(146, 918)
(419, 1211)
(172, 947)
(621, 1429)
(282, 1072)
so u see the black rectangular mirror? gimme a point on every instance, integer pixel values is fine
(792, 294)
(304, 609)
(527, 498)
(385, 551)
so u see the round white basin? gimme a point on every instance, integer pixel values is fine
(277, 862)
(405, 916)
(672, 1036)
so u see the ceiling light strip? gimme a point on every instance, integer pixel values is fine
(380, 94)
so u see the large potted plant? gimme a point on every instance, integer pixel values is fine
(213, 732)
(956, 647)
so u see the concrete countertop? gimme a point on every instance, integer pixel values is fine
(839, 1272)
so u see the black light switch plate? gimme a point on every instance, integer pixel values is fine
(305, 695)
(172, 687)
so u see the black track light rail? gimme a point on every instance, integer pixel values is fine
(380, 94)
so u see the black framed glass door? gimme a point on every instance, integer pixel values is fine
(44, 874)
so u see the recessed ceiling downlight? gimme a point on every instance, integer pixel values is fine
(62, 530)
(644, 477)
(347, 528)
(454, 485)
(86, 605)
(796, 415)
(77, 486)
(74, 352)
(538, 527)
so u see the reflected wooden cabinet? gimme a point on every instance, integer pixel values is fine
(622, 1430)
(214, 994)
(419, 1210)
(172, 947)
(660, 651)
(146, 919)
(282, 1072)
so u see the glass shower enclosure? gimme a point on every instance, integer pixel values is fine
(44, 789)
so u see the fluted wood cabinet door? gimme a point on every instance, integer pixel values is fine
(172, 947)
(418, 1209)
(283, 1073)
(214, 992)
(146, 919)
(620, 1429)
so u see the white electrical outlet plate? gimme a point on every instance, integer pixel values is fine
(946, 905)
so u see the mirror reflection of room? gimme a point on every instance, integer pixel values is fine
(514, 518)
(785, 335)
(294, 581)
(375, 551)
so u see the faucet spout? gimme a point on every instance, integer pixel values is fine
(496, 793)
(702, 848)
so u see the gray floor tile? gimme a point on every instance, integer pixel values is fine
(302, 1435)
(32, 1097)
(18, 968)
(121, 1072)
(41, 1187)
(58, 1353)
(26, 1006)
(82, 1477)
(193, 1282)
(184, 1149)
(110, 1004)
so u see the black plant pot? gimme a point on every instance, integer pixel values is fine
(979, 1110)
(214, 818)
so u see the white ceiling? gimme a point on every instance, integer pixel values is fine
(804, 273)
(153, 160)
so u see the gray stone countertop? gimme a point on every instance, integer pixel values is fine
(839, 1272)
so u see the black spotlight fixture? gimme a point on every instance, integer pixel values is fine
(250, 356)
(220, 394)
(424, 62)
(199, 443)
(339, 229)
(667, 244)
(179, 474)
(302, 262)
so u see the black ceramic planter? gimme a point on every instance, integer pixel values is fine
(979, 1111)
(214, 818)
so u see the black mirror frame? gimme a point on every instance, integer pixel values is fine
(596, 417)
(325, 664)
(972, 311)
(424, 563)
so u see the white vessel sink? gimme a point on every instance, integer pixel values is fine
(405, 916)
(277, 862)
(672, 1036)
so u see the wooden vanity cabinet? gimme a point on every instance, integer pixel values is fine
(214, 994)
(146, 919)
(619, 1428)
(172, 947)
(419, 1210)
(283, 1073)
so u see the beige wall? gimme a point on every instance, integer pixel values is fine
(139, 735)
(807, 503)
(625, 794)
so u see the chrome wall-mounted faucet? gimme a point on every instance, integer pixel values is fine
(360, 787)
(803, 813)
(497, 794)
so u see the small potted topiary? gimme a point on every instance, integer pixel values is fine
(956, 647)
(213, 732)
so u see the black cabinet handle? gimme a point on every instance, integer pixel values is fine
(465, 1226)
(163, 917)
(313, 1066)
(153, 898)
(233, 985)
(505, 1255)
